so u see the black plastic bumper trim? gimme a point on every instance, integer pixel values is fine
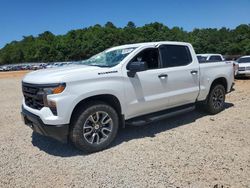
(232, 87)
(58, 132)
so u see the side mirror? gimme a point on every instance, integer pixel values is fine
(135, 67)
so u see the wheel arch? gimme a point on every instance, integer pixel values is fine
(109, 99)
(220, 80)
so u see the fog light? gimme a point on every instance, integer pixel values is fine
(52, 106)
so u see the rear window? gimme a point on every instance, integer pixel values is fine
(215, 58)
(244, 60)
(201, 59)
(175, 55)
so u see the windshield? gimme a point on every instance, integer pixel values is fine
(244, 60)
(108, 58)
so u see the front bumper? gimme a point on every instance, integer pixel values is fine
(243, 73)
(58, 132)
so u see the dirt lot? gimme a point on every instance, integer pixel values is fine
(13, 74)
(194, 150)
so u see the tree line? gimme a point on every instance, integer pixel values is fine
(82, 43)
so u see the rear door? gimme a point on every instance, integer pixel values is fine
(182, 70)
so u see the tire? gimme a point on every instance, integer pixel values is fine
(94, 127)
(215, 102)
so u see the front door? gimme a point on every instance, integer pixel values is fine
(146, 91)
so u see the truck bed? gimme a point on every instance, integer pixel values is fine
(207, 75)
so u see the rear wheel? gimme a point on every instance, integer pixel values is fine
(215, 102)
(95, 127)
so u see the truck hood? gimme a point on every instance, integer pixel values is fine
(61, 74)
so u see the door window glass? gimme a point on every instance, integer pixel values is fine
(150, 56)
(175, 55)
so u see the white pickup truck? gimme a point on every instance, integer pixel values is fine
(244, 66)
(130, 84)
(203, 58)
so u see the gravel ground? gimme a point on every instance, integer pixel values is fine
(193, 150)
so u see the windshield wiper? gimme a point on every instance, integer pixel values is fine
(99, 65)
(96, 65)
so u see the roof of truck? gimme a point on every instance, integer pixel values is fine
(207, 54)
(148, 44)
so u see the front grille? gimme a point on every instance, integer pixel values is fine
(242, 68)
(33, 96)
(247, 68)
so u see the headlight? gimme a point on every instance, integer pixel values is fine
(50, 90)
(54, 89)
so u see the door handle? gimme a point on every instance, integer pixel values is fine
(163, 76)
(194, 72)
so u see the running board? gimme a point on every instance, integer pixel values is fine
(157, 116)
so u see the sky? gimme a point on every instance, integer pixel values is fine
(20, 18)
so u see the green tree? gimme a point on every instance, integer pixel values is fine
(82, 43)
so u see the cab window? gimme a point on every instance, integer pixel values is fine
(175, 55)
(150, 56)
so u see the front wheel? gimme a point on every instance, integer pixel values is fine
(95, 127)
(216, 99)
